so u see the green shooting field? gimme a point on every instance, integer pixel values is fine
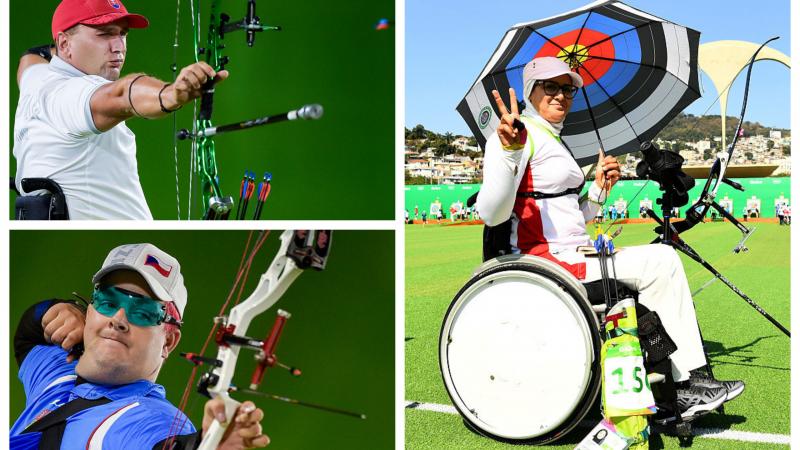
(741, 343)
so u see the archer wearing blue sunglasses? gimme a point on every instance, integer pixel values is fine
(139, 309)
(89, 371)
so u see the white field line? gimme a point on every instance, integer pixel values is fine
(712, 433)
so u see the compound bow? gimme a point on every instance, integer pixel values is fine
(203, 156)
(299, 250)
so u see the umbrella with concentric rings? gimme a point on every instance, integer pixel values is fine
(639, 72)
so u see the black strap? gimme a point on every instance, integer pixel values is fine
(52, 426)
(45, 51)
(497, 240)
(541, 195)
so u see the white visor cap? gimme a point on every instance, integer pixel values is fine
(545, 68)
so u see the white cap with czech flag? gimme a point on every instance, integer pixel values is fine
(161, 271)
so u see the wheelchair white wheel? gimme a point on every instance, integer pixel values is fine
(519, 351)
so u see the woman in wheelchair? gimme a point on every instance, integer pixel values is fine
(532, 184)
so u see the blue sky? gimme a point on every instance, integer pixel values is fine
(449, 41)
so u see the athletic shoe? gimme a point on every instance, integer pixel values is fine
(734, 388)
(695, 400)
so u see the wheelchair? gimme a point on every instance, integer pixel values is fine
(519, 351)
(52, 205)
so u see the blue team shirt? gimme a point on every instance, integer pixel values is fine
(138, 416)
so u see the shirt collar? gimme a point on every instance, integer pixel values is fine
(140, 388)
(65, 67)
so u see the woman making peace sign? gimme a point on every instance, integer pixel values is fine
(532, 179)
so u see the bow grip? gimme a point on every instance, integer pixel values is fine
(207, 100)
(213, 436)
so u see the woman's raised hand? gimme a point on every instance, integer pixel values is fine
(509, 136)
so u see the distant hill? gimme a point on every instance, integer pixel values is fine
(684, 127)
(691, 128)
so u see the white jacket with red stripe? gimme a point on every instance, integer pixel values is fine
(551, 228)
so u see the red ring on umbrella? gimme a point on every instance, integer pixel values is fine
(589, 69)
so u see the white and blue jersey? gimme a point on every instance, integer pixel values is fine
(138, 413)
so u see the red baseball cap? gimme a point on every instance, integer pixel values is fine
(93, 12)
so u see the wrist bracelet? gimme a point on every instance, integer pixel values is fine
(161, 102)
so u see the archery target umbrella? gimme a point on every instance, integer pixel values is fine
(639, 72)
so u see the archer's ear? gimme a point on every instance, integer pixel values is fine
(171, 341)
(62, 45)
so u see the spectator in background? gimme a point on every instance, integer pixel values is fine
(424, 217)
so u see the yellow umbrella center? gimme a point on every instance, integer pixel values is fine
(574, 55)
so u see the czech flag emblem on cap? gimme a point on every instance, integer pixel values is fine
(161, 268)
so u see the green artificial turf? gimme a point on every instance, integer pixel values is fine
(741, 343)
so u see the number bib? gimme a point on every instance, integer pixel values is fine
(626, 391)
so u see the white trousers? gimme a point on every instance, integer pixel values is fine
(656, 272)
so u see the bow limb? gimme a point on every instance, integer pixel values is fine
(716, 175)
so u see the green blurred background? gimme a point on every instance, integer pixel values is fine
(341, 334)
(338, 167)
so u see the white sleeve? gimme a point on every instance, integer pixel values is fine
(67, 105)
(501, 175)
(593, 201)
(34, 70)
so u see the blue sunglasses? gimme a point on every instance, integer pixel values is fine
(139, 310)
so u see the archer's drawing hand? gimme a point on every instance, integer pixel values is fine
(509, 136)
(63, 325)
(607, 173)
(189, 83)
(243, 432)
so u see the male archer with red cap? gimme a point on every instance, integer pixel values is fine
(70, 120)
